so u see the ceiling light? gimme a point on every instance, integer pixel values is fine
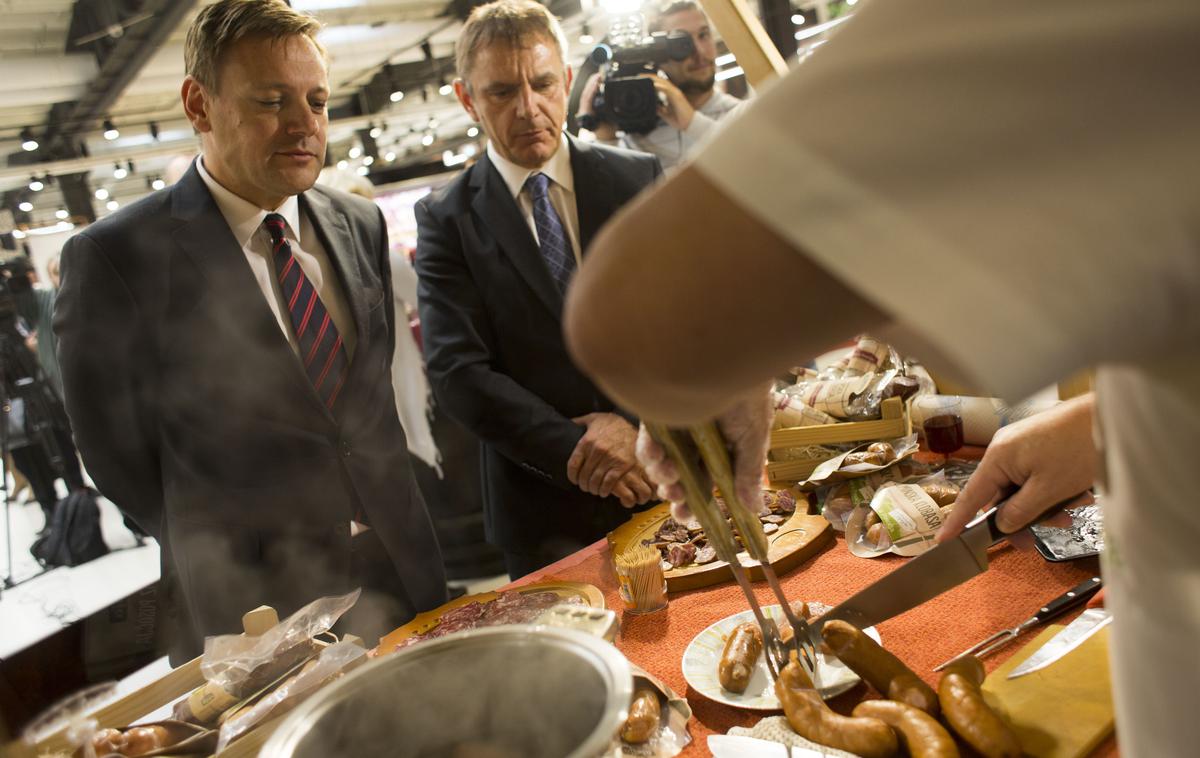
(585, 34)
(363, 171)
(724, 60)
(112, 205)
(110, 130)
(62, 214)
(158, 184)
(343, 165)
(375, 132)
(368, 160)
(119, 171)
(397, 96)
(427, 140)
(28, 141)
(390, 156)
(851, 2)
(728, 73)
(36, 184)
(355, 152)
(101, 194)
(25, 205)
(799, 19)
(18, 234)
(445, 89)
(433, 123)
(473, 131)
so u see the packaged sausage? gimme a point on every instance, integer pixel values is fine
(851, 464)
(333, 661)
(670, 734)
(791, 411)
(983, 416)
(900, 519)
(237, 665)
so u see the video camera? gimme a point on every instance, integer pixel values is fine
(625, 99)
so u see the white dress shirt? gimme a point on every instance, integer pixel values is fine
(245, 220)
(562, 189)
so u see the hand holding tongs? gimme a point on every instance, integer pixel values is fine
(697, 480)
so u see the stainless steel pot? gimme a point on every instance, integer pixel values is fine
(532, 692)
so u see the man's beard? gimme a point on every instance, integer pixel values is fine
(697, 86)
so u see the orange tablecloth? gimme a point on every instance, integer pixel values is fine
(1014, 587)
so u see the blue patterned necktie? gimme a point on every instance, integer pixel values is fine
(321, 348)
(552, 238)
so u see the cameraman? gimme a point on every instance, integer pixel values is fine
(692, 104)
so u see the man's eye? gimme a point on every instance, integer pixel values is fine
(270, 103)
(318, 106)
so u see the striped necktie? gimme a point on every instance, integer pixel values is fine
(552, 238)
(321, 349)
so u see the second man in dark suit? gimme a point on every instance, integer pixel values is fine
(496, 250)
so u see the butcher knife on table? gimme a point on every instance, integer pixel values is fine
(924, 577)
(1071, 637)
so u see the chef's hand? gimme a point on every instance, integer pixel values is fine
(1051, 457)
(604, 456)
(746, 426)
(676, 111)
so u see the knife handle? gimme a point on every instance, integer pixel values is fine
(989, 516)
(1072, 598)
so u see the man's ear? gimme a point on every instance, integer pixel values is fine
(464, 96)
(196, 104)
(570, 78)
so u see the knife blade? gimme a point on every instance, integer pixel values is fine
(926, 576)
(1071, 637)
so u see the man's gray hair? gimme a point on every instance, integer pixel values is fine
(670, 8)
(510, 22)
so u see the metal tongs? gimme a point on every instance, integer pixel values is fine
(697, 478)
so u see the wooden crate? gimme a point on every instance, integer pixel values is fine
(164, 691)
(895, 422)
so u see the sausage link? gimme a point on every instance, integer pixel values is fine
(644, 714)
(741, 653)
(808, 715)
(879, 668)
(920, 733)
(969, 715)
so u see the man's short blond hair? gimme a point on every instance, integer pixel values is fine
(670, 8)
(218, 26)
(510, 22)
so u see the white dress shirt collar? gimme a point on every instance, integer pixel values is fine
(557, 169)
(244, 217)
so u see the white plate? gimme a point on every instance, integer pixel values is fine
(702, 655)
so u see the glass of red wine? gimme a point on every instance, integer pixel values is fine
(942, 424)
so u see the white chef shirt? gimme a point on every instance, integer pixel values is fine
(245, 220)
(561, 191)
(1019, 185)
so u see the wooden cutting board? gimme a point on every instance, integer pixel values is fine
(1063, 711)
(797, 539)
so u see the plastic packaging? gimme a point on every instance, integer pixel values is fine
(900, 519)
(333, 661)
(849, 465)
(237, 665)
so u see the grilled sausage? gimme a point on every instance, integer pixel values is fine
(878, 668)
(920, 733)
(741, 653)
(969, 715)
(644, 714)
(808, 715)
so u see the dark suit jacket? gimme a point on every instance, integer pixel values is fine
(491, 320)
(194, 415)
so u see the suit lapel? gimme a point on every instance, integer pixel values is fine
(502, 217)
(594, 199)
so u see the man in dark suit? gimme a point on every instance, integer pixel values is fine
(495, 252)
(226, 348)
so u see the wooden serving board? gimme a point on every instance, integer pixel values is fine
(423, 622)
(798, 538)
